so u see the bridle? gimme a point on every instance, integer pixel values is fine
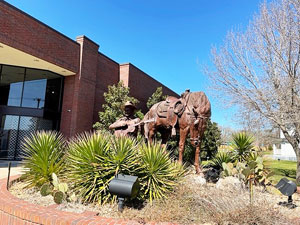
(194, 117)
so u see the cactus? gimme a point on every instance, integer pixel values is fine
(63, 187)
(228, 170)
(55, 180)
(58, 197)
(60, 190)
(46, 189)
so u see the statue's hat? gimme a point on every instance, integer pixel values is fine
(129, 104)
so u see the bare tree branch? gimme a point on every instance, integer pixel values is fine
(258, 69)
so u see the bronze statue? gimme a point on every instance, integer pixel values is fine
(127, 125)
(189, 114)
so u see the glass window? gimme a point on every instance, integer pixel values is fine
(14, 129)
(11, 85)
(34, 89)
(53, 92)
(41, 90)
(30, 88)
(8, 136)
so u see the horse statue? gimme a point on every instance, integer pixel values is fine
(189, 114)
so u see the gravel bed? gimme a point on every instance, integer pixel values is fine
(203, 192)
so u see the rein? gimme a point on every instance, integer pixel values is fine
(190, 112)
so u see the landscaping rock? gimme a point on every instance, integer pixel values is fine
(200, 180)
(230, 183)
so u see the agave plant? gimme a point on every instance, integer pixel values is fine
(43, 155)
(159, 174)
(122, 158)
(94, 160)
(242, 144)
(220, 158)
(85, 152)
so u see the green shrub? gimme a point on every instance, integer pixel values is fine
(85, 152)
(252, 156)
(43, 155)
(94, 160)
(242, 144)
(220, 158)
(159, 174)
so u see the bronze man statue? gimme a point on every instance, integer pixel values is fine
(127, 125)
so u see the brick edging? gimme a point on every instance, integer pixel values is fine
(14, 211)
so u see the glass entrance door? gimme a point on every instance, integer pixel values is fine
(30, 100)
(13, 131)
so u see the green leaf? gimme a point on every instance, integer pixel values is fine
(246, 172)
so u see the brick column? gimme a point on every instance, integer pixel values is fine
(79, 91)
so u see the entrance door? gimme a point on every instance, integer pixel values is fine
(13, 131)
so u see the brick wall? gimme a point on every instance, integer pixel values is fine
(23, 32)
(141, 84)
(107, 74)
(79, 95)
(67, 104)
(83, 92)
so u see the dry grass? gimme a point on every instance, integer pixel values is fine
(192, 203)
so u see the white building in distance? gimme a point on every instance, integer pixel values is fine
(283, 150)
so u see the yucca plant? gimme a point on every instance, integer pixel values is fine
(220, 158)
(159, 174)
(242, 144)
(85, 152)
(122, 157)
(94, 159)
(252, 156)
(43, 155)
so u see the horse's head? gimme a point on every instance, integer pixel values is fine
(197, 127)
(199, 113)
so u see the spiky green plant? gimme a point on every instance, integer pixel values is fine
(43, 155)
(122, 157)
(220, 158)
(242, 144)
(252, 156)
(159, 174)
(94, 160)
(85, 152)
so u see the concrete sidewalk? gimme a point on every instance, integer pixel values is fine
(15, 169)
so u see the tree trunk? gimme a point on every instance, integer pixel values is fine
(294, 141)
(298, 168)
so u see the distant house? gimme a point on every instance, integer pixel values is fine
(283, 150)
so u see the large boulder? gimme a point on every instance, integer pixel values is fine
(199, 180)
(231, 183)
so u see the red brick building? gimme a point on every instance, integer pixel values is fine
(49, 81)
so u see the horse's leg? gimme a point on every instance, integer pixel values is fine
(151, 134)
(196, 164)
(197, 152)
(165, 134)
(183, 134)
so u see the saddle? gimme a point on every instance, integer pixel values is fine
(171, 109)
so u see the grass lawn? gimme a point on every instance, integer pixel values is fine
(281, 169)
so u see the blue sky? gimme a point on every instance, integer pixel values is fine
(168, 39)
